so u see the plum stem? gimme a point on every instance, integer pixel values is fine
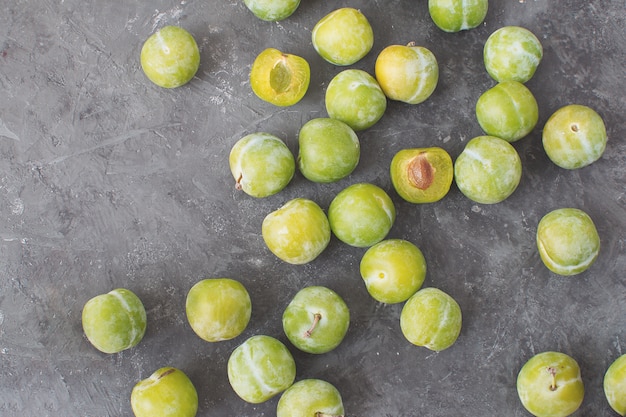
(552, 371)
(316, 319)
(238, 182)
(167, 372)
(322, 414)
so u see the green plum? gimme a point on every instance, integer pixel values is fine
(431, 318)
(260, 368)
(316, 320)
(168, 392)
(218, 309)
(407, 73)
(114, 321)
(488, 170)
(272, 10)
(614, 384)
(170, 57)
(422, 175)
(568, 241)
(297, 232)
(310, 398)
(549, 385)
(574, 136)
(508, 110)
(261, 164)
(393, 270)
(329, 150)
(343, 36)
(361, 214)
(355, 97)
(457, 15)
(512, 53)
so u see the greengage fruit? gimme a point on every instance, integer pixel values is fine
(512, 53)
(114, 321)
(361, 214)
(355, 97)
(422, 175)
(260, 368)
(168, 392)
(614, 384)
(407, 73)
(297, 232)
(218, 309)
(261, 164)
(329, 150)
(431, 318)
(488, 170)
(280, 78)
(568, 241)
(170, 57)
(508, 111)
(393, 270)
(272, 10)
(310, 398)
(574, 136)
(457, 15)
(343, 36)
(316, 320)
(549, 385)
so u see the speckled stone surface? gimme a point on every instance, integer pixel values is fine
(108, 181)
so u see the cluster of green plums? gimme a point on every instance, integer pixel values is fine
(317, 319)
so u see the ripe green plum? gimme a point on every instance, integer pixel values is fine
(310, 398)
(407, 73)
(355, 97)
(343, 36)
(170, 57)
(218, 309)
(431, 318)
(272, 10)
(329, 150)
(549, 385)
(488, 170)
(261, 164)
(457, 15)
(614, 384)
(508, 110)
(168, 392)
(422, 175)
(512, 53)
(361, 214)
(393, 270)
(568, 241)
(316, 320)
(114, 321)
(574, 136)
(260, 368)
(297, 232)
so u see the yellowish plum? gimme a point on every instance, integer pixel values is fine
(422, 175)
(407, 73)
(614, 384)
(431, 318)
(297, 232)
(457, 15)
(393, 270)
(550, 385)
(310, 398)
(260, 368)
(568, 241)
(168, 392)
(218, 309)
(280, 78)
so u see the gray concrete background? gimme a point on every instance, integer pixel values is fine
(109, 181)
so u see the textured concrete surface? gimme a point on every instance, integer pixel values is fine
(109, 181)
